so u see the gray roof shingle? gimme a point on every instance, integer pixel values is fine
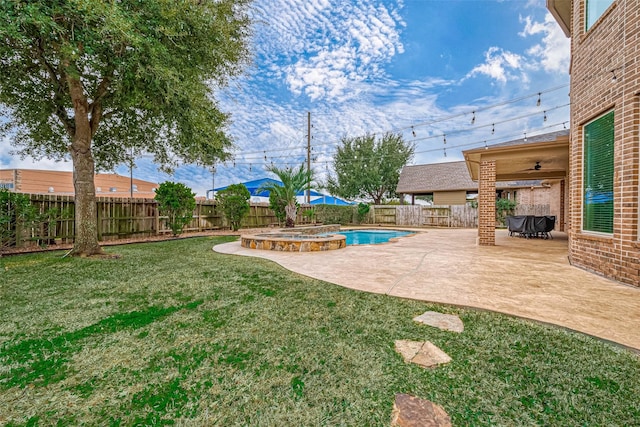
(449, 176)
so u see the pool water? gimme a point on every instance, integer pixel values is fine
(371, 237)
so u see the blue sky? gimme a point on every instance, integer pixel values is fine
(374, 66)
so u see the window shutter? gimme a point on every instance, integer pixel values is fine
(598, 175)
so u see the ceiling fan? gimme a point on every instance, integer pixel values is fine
(537, 167)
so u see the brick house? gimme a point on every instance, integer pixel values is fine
(34, 181)
(604, 146)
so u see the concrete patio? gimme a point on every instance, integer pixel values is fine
(529, 278)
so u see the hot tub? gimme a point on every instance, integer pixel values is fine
(290, 241)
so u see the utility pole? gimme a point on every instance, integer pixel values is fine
(309, 155)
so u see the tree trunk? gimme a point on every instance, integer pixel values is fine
(86, 233)
(86, 236)
(291, 212)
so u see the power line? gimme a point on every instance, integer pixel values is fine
(443, 135)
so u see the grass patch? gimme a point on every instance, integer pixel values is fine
(173, 333)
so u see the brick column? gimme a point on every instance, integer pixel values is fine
(487, 204)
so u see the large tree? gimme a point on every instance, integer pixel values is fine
(103, 81)
(369, 168)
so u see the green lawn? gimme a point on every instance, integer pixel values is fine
(173, 333)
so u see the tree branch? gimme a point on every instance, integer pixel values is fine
(95, 108)
(58, 89)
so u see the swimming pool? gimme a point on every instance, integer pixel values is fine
(371, 237)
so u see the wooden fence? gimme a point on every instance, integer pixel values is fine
(459, 216)
(462, 216)
(120, 218)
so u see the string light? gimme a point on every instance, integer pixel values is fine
(614, 78)
(445, 152)
(291, 151)
(465, 145)
(439, 120)
(486, 147)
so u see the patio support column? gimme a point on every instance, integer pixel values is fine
(487, 203)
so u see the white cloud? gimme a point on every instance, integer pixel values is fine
(10, 160)
(554, 51)
(328, 47)
(552, 54)
(499, 65)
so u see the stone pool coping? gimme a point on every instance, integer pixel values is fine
(301, 239)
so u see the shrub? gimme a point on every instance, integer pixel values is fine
(16, 213)
(363, 210)
(331, 214)
(504, 207)
(277, 206)
(177, 202)
(310, 215)
(234, 202)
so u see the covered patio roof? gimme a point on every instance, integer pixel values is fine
(536, 157)
(561, 10)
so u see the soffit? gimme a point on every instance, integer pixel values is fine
(561, 11)
(518, 162)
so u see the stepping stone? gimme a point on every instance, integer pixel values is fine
(445, 322)
(422, 353)
(410, 411)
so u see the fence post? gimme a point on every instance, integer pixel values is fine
(156, 219)
(99, 214)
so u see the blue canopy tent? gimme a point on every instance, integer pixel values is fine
(254, 186)
(330, 200)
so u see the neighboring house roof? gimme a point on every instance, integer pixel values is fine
(449, 176)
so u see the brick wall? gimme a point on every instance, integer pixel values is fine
(611, 48)
(487, 204)
(35, 181)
